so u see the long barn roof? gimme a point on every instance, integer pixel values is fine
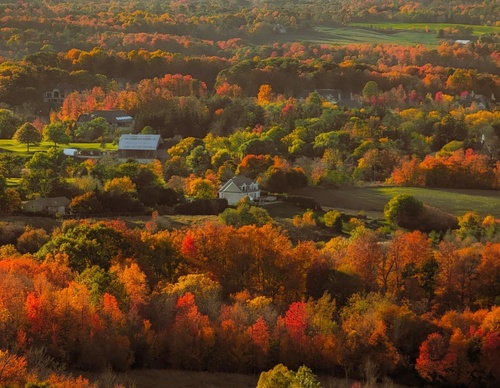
(139, 142)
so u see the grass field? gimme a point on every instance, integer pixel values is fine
(404, 34)
(359, 35)
(373, 199)
(8, 145)
(156, 378)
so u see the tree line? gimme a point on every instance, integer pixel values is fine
(243, 299)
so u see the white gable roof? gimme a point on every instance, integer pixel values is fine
(238, 182)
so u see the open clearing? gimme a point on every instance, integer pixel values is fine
(346, 35)
(360, 35)
(404, 34)
(161, 378)
(373, 199)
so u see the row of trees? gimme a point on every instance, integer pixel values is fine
(175, 27)
(220, 298)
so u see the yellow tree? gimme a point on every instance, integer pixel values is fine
(265, 95)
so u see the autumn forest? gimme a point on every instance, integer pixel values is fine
(144, 267)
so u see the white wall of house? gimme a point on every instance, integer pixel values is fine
(232, 198)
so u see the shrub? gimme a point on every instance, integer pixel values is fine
(308, 219)
(245, 214)
(333, 219)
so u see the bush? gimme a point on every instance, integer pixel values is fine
(245, 214)
(333, 220)
(307, 219)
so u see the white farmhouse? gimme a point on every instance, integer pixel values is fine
(238, 187)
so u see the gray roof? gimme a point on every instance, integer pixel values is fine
(238, 180)
(139, 142)
(111, 116)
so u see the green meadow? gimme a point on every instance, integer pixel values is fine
(9, 145)
(404, 34)
(373, 199)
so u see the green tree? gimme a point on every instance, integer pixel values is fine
(470, 226)
(45, 174)
(93, 129)
(370, 90)
(8, 123)
(278, 377)
(201, 188)
(56, 132)
(304, 378)
(88, 244)
(281, 377)
(402, 206)
(198, 160)
(28, 134)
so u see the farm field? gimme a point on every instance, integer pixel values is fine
(405, 34)
(361, 35)
(431, 27)
(373, 199)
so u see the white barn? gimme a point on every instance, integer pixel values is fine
(142, 148)
(238, 187)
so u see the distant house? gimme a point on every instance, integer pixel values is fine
(481, 102)
(55, 205)
(58, 94)
(115, 118)
(142, 148)
(335, 96)
(279, 28)
(239, 187)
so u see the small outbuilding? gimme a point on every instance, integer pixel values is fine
(239, 187)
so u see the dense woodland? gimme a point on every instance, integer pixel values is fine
(413, 297)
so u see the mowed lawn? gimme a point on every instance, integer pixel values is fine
(9, 145)
(373, 199)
